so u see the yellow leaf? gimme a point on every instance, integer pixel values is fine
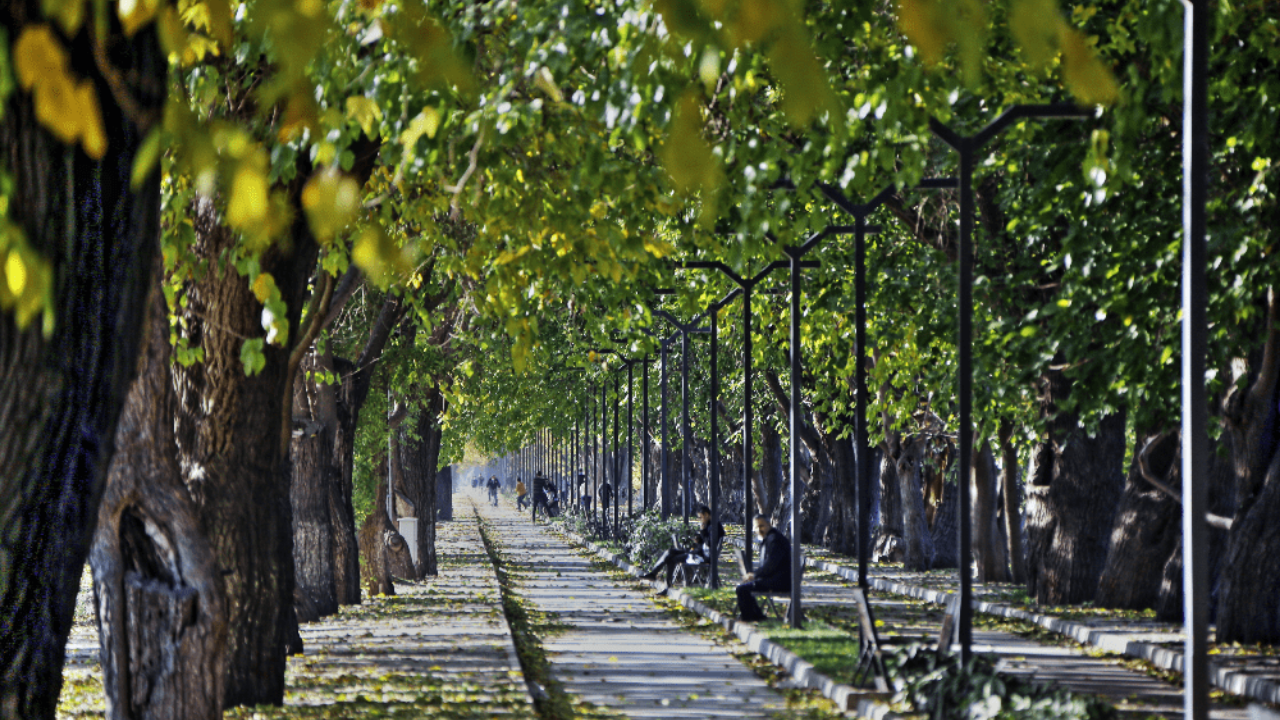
(220, 21)
(37, 55)
(248, 204)
(376, 254)
(134, 14)
(921, 21)
(686, 156)
(754, 20)
(1035, 24)
(15, 272)
(804, 81)
(300, 113)
(426, 123)
(68, 13)
(546, 82)
(92, 136)
(365, 112)
(264, 287)
(1087, 78)
(56, 107)
(331, 201)
(173, 35)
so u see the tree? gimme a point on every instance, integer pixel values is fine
(78, 225)
(162, 625)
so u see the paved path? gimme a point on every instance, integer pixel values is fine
(442, 642)
(619, 650)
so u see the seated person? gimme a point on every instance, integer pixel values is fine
(773, 574)
(699, 552)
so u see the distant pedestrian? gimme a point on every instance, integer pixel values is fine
(584, 494)
(540, 483)
(493, 489)
(522, 494)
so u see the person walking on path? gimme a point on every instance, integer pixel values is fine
(522, 493)
(698, 552)
(606, 494)
(493, 489)
(773, 574)
(584, 493)
(540, 483)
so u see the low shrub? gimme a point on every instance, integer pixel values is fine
(946, 689)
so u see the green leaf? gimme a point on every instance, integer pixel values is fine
(251, 356)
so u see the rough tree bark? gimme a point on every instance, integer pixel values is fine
(346, 549)
(228, 434)
(768, 481)
(1147, 529)
(420, 447)
(157, 590)
(61, 394)
(311, 489)
(989, 552)
(918, 550)
(1011, 492)
(383, 550)
(1249, 594)
(1076, 484)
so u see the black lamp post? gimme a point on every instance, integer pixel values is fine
(968, 147)
(686, 469)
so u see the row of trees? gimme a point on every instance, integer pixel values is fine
(438, 207)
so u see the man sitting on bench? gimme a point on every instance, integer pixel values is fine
(773, 574)
(700, 551)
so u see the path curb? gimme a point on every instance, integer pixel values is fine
(845, 697)
(514, 669)
(1233, 681)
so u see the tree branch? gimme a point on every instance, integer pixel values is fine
(1214, 520)
(318, 308)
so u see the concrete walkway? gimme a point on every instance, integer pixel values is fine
(619, 650)
(440, 643)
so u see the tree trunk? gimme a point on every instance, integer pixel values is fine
(420, 447)
(1076, 485)
(991, 560)
(230, 451)
(945, 529)
(1249, 594)
(768, 481)
(444, 497)
(383, 550)
(161, 617)
(61, 393)
(842, 530)
(918, 549)
(310, 489)
(1147, 529)
(346, 549)
(1011, 492)
(888, 536)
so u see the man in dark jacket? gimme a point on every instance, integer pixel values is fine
(698, 552)
(772, 574)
